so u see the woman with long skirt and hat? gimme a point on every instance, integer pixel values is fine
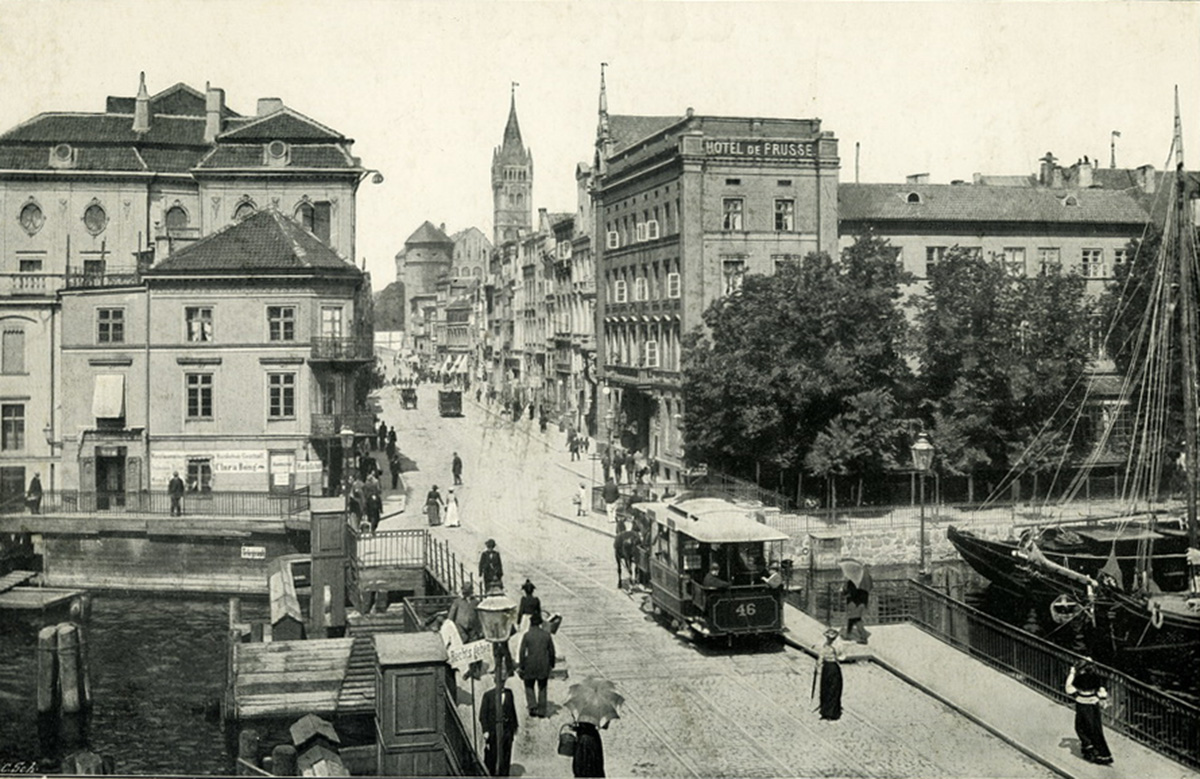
(1087, 688)
(830, 673)
(530, 603)
(433, 506)
(452, 509)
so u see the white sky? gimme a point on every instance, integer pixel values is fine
(423, 87)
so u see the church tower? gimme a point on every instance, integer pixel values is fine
(512, 182)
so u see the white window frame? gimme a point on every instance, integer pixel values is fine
(285, 383)
(674, 285)
(613, 240)
(651, 354)
(640, 231)
(1015, 259)
(733, 218)
(1091, 263)
(200, 333)
(652, 230)
(787, 215)
(620, 291)
(281, 320)
(933, 255)
(640, 289)
(110, 316)
(1047, 256)
(203, 385)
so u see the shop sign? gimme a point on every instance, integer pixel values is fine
(760, 147)
(254, 553)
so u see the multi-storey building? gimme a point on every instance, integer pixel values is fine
(427, 256)
(90, 199)
(235, 362)
(685, 206)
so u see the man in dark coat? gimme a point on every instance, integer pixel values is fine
(383, 431)
(394, 467)
(497, 746)
(175, 490)
(612, 496)
(456, 468)
(34, 495)
(535, 663)
(491, 567)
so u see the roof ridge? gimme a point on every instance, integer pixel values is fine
(290, 112)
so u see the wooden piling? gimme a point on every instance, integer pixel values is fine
(248, 746)
(68, 668)
(85, 667)
(283, 760)
(47, 669)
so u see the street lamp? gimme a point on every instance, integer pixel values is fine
(497, 615)
(922, 458)
(347, 437)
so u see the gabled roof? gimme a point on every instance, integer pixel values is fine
(283, 125)
(974, 203)
(250, 155)
(628, 130)
(426, 234)
(54, 128)
(178, 99)
(266, 241)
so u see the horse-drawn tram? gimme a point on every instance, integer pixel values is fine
(711, 566)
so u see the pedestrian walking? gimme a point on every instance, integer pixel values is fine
(856, 609)
(433, 506)
(452, 509)
(497, 740)
(175, 490)
(394, 467)
(612, 496)
(530, 603)
(357, 500)
(383, 431)
(1086, 687)
(33, 496)
(582, 504)
(536, 661)
(465, 616)
(588, 759)
(373, 494)
(491, 567)
(606, 463)
(829, 674)
(391, 441)
(456, 468)
(573, 447)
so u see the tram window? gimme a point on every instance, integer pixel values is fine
(673, 549)
(662, 548)
(691, 562)
(750, 557)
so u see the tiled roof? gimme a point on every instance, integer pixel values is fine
(122, 158)
(628, 130)
(282, 125)
(266, 241)
(52, 128)
(250, 155)
(427, 233)
(972, 203)
(171, 160)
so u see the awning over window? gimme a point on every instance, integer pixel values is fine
(108, 397)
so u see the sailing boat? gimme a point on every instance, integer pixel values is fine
(1137, 571)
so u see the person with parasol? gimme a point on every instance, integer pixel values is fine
(858, 594)
(830, 675)
(593, 703)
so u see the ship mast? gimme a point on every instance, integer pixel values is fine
(1184, 241)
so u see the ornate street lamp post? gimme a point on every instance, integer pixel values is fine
(497, 615)
(347, 437)
(922, 458)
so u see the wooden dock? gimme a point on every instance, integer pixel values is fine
(332, 677)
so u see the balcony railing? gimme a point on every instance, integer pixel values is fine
(216, 503)
(353, 349)
(33, 284)
(329, 425)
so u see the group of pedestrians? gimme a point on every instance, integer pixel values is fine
(438, 508)
(626, 467)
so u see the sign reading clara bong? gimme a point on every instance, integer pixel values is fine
(164, 464)
(760, 147)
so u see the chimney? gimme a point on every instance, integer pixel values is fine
(1084, 179)
(1147, 178)
(269, 105)
(976, 178)
(141, 108)
(1056, 177)
(214, 106)
(442, 227)
(917, 178)
(1045, 170)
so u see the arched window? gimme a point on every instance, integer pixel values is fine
(478, 272)
(94, 219)
(176, 218)
(304, 214)
(244, 210)
(913, 197)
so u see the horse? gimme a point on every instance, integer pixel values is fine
(625, 551)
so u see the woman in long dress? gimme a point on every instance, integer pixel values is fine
(433, 506)
(1087, 688)
(830, 673)
(452, 509)
(588, 759)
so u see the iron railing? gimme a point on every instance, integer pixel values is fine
(209, 504)
(330, 425)
(444, 566)
(1162, 722)
(410, 548)
(351, 348)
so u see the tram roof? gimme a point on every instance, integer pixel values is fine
(716, 521)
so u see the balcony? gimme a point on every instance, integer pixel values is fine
(642, 378)
(30, 284)
(352, 349)
(329, 425)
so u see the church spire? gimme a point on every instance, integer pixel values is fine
(603, 137)
(512, 130)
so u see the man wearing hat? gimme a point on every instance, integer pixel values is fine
(497, 747)
(535, 664)
(491, 569)
(530, 603)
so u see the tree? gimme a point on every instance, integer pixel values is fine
(779, 360)
(1001, 355)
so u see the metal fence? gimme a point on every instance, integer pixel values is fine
(410, 548)
(444, 566)
(1162, 722)
(208, 504)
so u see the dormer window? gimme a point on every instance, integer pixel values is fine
(277, 153)
(913, 197)
(1070, 200)
(63, 156)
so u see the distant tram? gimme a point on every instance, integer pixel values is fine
(710, 566)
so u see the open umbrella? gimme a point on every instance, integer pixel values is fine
(594, 700)
(858, 573)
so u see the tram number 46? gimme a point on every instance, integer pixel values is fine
(745, 610)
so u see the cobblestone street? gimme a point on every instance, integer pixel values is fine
(691, 710)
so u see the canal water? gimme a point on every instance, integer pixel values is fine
(157, 672)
